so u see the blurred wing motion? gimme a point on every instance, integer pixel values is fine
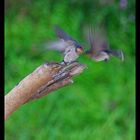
(64, 42)
(67, 45)
(67, 38)
(97, 40)
(59, 45)
(62, 35)
(117, 53)
(99, 47)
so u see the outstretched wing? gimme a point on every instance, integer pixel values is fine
(97, 40)
(91, 38)
(59, 45)
(61, 34)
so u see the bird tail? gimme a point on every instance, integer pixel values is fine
(117, 53)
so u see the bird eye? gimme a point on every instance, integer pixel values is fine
(81, 47)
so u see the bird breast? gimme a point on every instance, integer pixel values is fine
(101, 56)
(70, 54)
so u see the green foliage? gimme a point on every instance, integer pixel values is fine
(100, 105)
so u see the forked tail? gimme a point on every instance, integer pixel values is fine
(117, 53)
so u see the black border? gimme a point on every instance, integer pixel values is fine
(2, 70)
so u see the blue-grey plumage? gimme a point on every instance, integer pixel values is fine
(71, 48)
(64, 36)
(99, 47)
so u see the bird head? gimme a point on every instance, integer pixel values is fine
(79, 49)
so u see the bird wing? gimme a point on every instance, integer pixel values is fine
(64, 42)
(59, 45)
(97, 40)
(64, 36)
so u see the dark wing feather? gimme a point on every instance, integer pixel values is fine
(62, 35)
(99, 43)
(90, 38)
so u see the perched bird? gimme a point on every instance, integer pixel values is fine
(99, 48)
(67, 45)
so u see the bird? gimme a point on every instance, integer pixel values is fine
(99, 47)
(70, 48)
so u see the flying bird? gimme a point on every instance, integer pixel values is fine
(99, 47)
(70, 48)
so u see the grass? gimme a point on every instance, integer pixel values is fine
(100, 105)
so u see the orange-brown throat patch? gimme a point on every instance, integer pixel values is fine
(79, 50)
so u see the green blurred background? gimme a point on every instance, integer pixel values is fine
(100, 105)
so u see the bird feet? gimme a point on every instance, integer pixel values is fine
(67, 63)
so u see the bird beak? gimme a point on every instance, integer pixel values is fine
(79, 50)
